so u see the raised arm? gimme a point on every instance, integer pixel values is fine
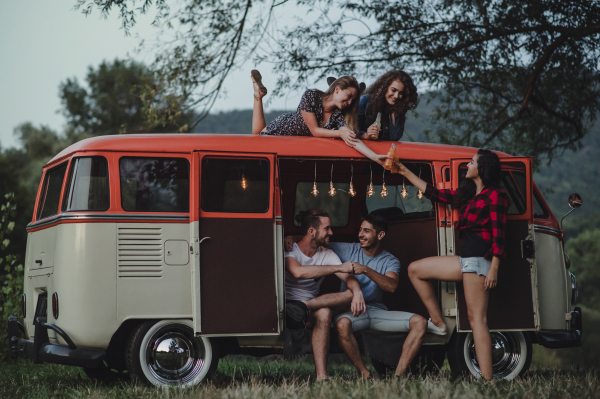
(307, 272)
(445, 196)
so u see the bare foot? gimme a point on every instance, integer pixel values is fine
(259, 89)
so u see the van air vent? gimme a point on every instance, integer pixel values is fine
(140, 252)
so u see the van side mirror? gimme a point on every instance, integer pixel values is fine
(575, 202)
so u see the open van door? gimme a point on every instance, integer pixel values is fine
(234, 276)
(513, 304)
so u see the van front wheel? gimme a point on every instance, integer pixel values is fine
(167, 353)
(511, 354)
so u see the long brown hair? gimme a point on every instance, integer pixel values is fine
(351, 112)
(490, 172)
(378, 103)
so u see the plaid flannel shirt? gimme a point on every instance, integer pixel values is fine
(484, 215)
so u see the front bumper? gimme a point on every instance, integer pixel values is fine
(40, 350)
(564, 338)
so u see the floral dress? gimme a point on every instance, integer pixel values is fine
(293, 124)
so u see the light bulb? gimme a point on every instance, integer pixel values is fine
(351, 191)
(332, 191)
(314, 191)
(370, 190)
(384, 191)
(420, 195)
(244, 182)
(404, 192)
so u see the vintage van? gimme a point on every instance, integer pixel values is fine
(155, 255)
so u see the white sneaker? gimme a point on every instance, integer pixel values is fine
(435, 329)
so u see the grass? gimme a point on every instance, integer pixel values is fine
(241, 378)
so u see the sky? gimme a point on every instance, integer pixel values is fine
(44, 42)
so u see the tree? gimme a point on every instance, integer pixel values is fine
(584, 253)
(517, 75)
(123, 97)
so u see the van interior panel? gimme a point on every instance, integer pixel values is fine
(511, 302)
(237, 276)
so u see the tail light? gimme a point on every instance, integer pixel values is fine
(24, 306)
(55, 305)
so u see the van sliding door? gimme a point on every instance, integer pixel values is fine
(513, 303)
(237, 279)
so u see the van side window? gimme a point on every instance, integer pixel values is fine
(49, 200)
(155, 184)
(395, 208)
(87, 188)
(236, 185)
(539, 210)
(338, 207)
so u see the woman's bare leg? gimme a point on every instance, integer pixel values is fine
(421, 272)
(476, 298)
(258, 114)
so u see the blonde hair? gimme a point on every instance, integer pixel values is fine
(351, 112)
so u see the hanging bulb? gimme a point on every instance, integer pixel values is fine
(404, 192)
(351, 191)
(332, 191)
(420, 195)
(244, 182)
(314, 191)
(370, 190)
(384, 191)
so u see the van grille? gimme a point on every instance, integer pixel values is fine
(140, 252)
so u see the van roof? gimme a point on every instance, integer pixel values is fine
(285, 146)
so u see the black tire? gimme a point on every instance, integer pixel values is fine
(166, 352)
(511, 354)
(104, 373)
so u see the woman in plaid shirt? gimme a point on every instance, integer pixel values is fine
(483, 207)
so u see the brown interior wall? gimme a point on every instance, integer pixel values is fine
(237, 276)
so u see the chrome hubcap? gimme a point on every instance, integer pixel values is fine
(506, 353)
(174, 355)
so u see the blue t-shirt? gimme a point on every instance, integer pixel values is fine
(382, 263)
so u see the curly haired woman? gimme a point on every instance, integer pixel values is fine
(330, 114)
(392, 95)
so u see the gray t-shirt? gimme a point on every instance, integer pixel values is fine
(382, 263)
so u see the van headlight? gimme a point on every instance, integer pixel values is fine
(574, 292)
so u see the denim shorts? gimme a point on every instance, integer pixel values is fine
(480, 266)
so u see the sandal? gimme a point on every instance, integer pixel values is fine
(258, 79)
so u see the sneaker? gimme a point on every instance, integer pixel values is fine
(432, 328)
(297, 310)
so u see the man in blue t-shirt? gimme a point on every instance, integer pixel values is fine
(376, 271)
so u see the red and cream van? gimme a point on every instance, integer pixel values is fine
(154, 255)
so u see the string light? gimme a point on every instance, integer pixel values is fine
(351, 191)
(404, 192)
(244, 182)
(370, 189)
(314, 190)
(384, 191)
(420, 193)
(332, 191)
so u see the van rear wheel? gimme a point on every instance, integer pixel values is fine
(511, 354)
(167, 353)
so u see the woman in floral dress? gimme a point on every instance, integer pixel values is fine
(331, 114)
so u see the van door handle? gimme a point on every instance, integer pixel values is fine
(38, 261)
(205, 238)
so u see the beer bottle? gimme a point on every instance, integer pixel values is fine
(389, 161)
